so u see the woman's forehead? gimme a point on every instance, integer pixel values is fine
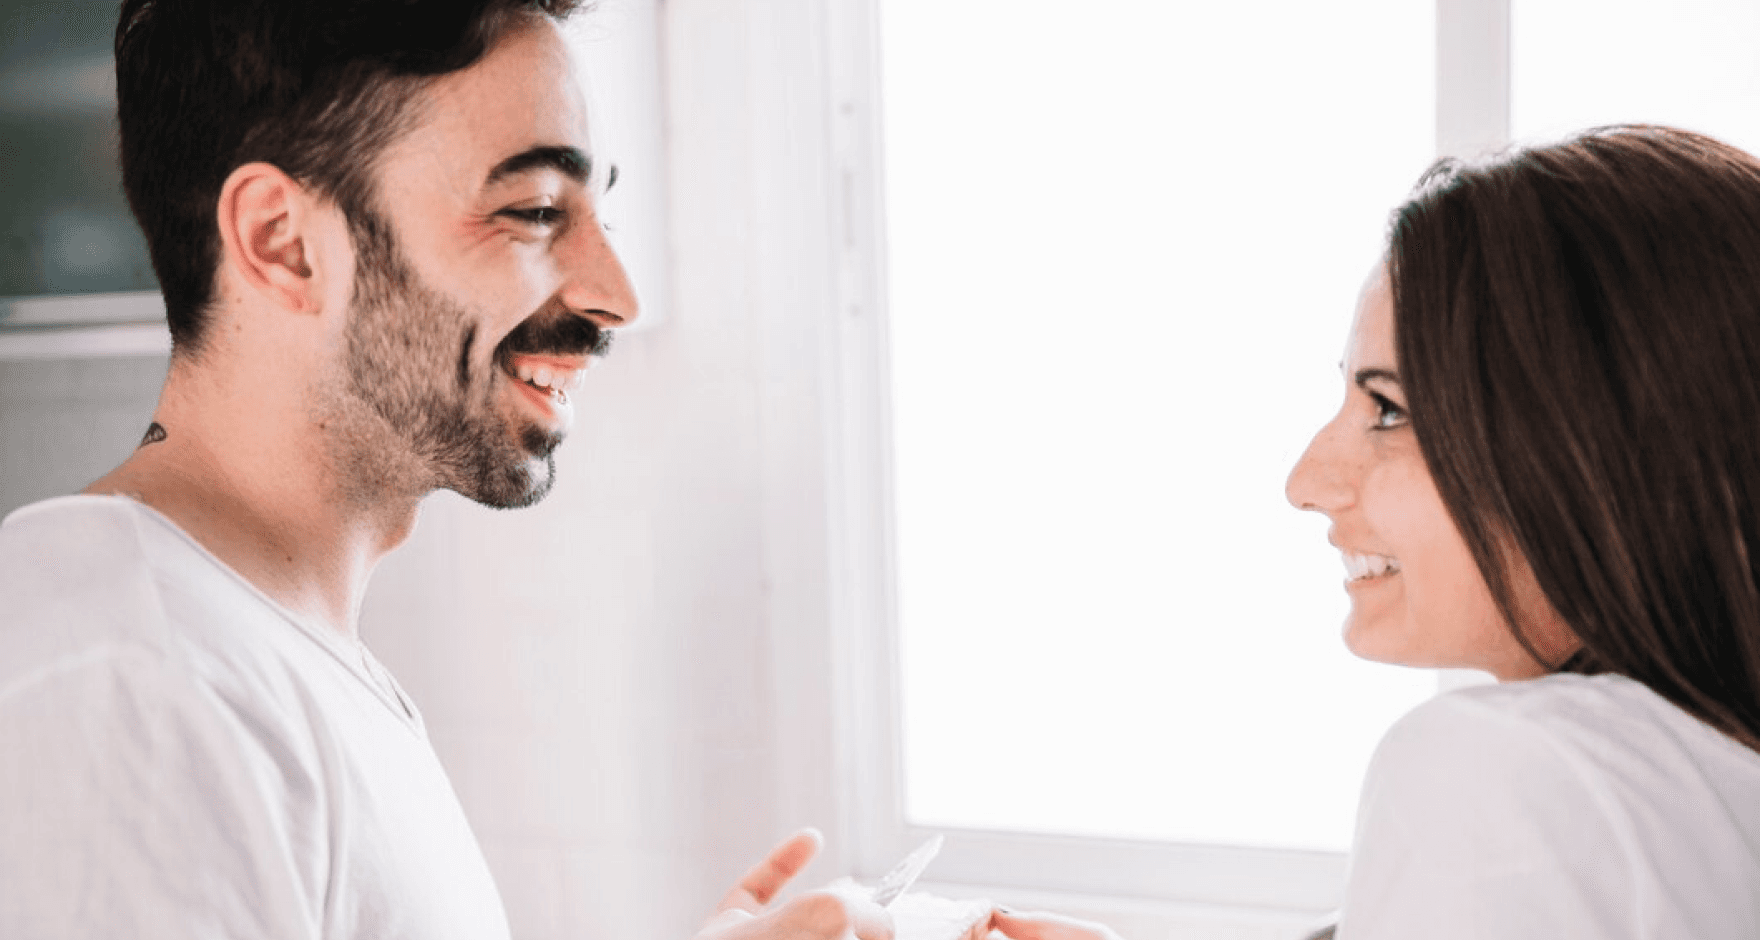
(1370, 344)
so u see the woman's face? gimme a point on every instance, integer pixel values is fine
(1417, 598)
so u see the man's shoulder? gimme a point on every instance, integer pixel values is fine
(91, 578)
(53, 530)
(93, 585)
(106, 605)
(75, 578)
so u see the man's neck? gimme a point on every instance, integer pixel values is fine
(255, 487)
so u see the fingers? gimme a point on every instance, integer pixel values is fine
(724, 925)
(823, 914)
(1048, 927)
(817, 915)
(761, 884)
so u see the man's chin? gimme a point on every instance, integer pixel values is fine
(511, 487)
(538, 486)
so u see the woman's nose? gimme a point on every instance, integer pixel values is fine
(1319, 481)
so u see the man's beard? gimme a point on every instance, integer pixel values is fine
(408, 356)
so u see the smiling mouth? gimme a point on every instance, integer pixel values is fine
(562, 335)
(549, 354)
(1364, 567)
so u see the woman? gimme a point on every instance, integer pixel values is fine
(1547, 466)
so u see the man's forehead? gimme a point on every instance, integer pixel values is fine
(518, 110)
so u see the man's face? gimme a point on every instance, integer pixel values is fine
(484, 282)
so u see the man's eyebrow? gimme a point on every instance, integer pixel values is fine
(569, 161)
(1365, 376)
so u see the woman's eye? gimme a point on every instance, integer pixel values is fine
(1387, 414)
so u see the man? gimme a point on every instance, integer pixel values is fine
(374, 225)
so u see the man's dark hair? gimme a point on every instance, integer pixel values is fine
(317, 88)
(1578, 332)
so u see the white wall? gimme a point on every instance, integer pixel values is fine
(66, 422)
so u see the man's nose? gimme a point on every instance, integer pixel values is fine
(597, 286)
(1319, 481)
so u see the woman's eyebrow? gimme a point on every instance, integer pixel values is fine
(1365, 376)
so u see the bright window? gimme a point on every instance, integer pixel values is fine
(1690, 63)
(1125, 240)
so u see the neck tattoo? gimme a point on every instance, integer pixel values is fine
(155, 434)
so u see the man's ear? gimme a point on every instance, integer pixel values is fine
(267, 234)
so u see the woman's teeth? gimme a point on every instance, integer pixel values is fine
(1360, 567)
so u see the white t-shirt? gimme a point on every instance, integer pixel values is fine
(1556, 808)
(181, 757)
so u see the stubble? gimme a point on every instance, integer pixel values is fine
(413, 413)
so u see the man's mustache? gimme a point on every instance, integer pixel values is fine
(565, 334)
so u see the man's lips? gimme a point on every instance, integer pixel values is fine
(546, 358)
(547, 402)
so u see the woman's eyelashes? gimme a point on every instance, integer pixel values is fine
(1388, 415)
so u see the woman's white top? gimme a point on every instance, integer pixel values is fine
(1560, 807)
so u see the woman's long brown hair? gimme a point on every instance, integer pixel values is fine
(1578, 331)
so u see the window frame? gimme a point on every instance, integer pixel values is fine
(1472, 116)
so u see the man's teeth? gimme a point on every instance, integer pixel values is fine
(553, 379)
(1359, 567)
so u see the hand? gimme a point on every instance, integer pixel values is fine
(1048, 927)
(816, 915)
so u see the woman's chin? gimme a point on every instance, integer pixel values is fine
(1379, 642)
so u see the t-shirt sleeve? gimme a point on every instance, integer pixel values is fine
(1475, 824)
(132, 806)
